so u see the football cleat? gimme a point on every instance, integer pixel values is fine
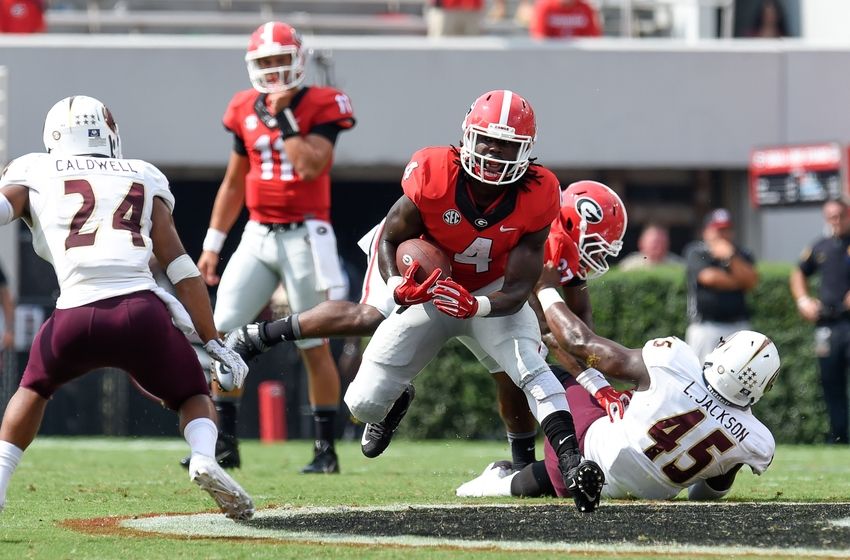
(584, 480)
(494, 481)
(376, 437)
(246, 341)
(226, 453)
(234, 502)
(324, 460)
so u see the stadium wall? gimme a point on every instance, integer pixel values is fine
(600, 103)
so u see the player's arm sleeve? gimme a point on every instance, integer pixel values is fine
(808, 264)
(336, 112)
(548, 207)
(415, 176)
(329, 131)
(19, 171)
(158, 184)
(230, 120)
(715, 487)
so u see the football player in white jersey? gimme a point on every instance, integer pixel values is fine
(98, 218)
(689, 425)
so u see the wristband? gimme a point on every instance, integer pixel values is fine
(214, 240)
(287, 124)
(483, 306)
(592, 380)
(549, 297)
(803, 299)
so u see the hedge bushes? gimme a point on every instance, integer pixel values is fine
(456, 398)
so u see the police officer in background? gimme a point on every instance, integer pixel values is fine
(719, 274)
(829, 256)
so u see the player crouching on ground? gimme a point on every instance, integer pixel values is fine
(98, 218)
(689, 425)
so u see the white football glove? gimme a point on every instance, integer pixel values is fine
(228, 368)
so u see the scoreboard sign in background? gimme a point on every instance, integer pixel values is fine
(791, 175)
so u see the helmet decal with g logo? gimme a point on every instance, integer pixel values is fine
(589, 210)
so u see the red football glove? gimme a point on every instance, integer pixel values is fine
(613, 401)
(411, 293)
(453, 299)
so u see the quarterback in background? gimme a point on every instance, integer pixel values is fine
(489, 209)
(283, 141)
(688, 425)
(98, 218)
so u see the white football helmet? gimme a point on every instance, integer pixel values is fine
(742, 368)
(81, 125)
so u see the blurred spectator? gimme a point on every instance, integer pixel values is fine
(653, 250)
(445, 18)
(828, 256)
(719, 274)
(522, 16)
(8, 326)
(22, 16)
(769, 22)
(564, 19)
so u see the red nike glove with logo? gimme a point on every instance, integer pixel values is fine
(613, 401)
(411, 293)
(453, 299)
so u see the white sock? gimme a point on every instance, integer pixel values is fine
(201, 434)
(10, 456)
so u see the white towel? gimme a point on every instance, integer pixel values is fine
(329, 274)
(179, 315)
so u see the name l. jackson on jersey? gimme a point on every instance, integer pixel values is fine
(716, 411)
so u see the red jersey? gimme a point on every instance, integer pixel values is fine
(471, 5)
(21, 16)
(554, 18)
(568, 259)
(477, 242)
(273, 191)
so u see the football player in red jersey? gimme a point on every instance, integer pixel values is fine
(489, 209)
(284, 135)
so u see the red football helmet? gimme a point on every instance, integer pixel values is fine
(275, 39)
(505, 116)
(595, 218)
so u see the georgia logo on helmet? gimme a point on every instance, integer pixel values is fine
(595, 219)
(275, 39)
(742, 368)
(81, 125)
(506, 116)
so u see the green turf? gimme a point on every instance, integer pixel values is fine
(68, 478)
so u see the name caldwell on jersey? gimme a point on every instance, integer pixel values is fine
(94, 164)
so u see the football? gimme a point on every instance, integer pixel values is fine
(430, 257)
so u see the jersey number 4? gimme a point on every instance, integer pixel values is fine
(667, 433)
(477, 254)
(127, 217)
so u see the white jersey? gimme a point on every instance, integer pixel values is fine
(674, 433)
(91, 219)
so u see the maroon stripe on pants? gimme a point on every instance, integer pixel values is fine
(132, 332)
(585, 411)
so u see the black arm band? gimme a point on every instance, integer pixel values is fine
(287, 124)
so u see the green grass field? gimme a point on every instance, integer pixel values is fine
(73, 478)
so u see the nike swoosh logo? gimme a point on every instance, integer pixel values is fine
(363, 439)
(563, 440)
(504, 229)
